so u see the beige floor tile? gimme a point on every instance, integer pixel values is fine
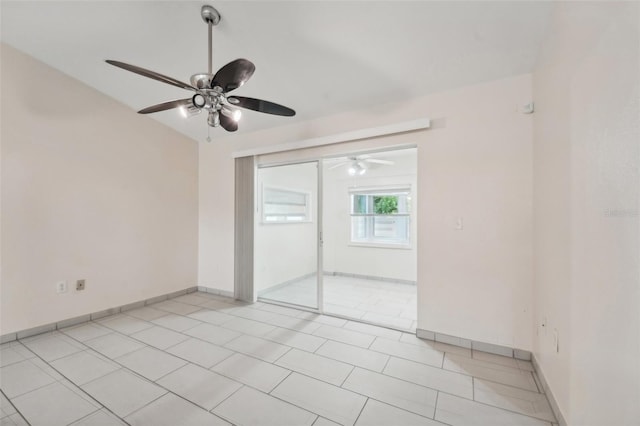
(431, 377)
(416, 353)
(258, 348)
(376, 413)
(159, 337)
(318, 367)
(252, 372)
(457, 411)
(265, 410)
(83, 367)
(354, 355)
(532, 404)
(54, 404)
(295, 339)
(171, 410)
(399, 393)
(490, 371)
(345, 336)
(123, 392)
(151, 363)
(23, 377)
(199, 352)
(331, 402)
(199, 385)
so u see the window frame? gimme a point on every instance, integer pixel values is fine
(307, 215)
(371, 240)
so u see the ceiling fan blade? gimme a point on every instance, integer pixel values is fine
(335, 166)
(378, 161)
(233, 75)
(151, 74)
(261, 106)
(228, 123)
(165, 106)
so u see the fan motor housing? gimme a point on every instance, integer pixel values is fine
(210, 14)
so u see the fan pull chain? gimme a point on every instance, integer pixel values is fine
(208, 135)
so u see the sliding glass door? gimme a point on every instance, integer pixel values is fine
(286, 250)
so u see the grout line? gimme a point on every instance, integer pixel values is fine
(15, 408)
(361, 410)
(288, 375)
(135, 373)
(320, 347)
(71, 381)
(149, 403)
(371, 344)
(473, 388)
(360, 347)
(536, 382)
(386, 363)
(87, 416)
(347, 376)
(280, 382)
(283, 354)
(242, 385)
(406, 381)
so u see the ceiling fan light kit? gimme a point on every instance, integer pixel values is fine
(358, 165)
(356, 168)
(211, 90)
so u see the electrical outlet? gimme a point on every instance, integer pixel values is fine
(61, 287)
(79, 285)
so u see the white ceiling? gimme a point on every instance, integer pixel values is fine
(317, 57)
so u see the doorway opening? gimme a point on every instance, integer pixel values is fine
(337, 235)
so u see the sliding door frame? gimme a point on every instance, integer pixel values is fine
(319, 230)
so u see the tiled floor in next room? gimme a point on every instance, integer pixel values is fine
(381, 302)
(205, 360)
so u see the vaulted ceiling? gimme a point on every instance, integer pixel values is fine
(318, 57)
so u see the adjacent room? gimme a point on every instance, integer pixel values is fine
(366, 230)
(319, 213)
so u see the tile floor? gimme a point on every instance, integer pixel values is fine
(379, 302)
(205, 360)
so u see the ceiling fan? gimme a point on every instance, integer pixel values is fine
(358, 165)
(211, 90)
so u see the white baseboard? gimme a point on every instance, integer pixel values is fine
(68, 322)
(474, 344)
(547, 391)
(217, 292)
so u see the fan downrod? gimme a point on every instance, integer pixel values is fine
(210, 14)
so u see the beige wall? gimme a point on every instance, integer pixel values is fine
(475, 163)
(90, 190)
(340, 255)
(586, 157)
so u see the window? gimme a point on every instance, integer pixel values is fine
(381, 216)
(285, 206)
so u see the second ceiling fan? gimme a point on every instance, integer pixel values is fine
(358, 165)
(211, 90)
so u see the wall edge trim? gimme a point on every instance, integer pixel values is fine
(354, 135)
(548, 392)
(475, 345)
(68, 322)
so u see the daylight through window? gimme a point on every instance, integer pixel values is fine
(381, 216)
(285, 206)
